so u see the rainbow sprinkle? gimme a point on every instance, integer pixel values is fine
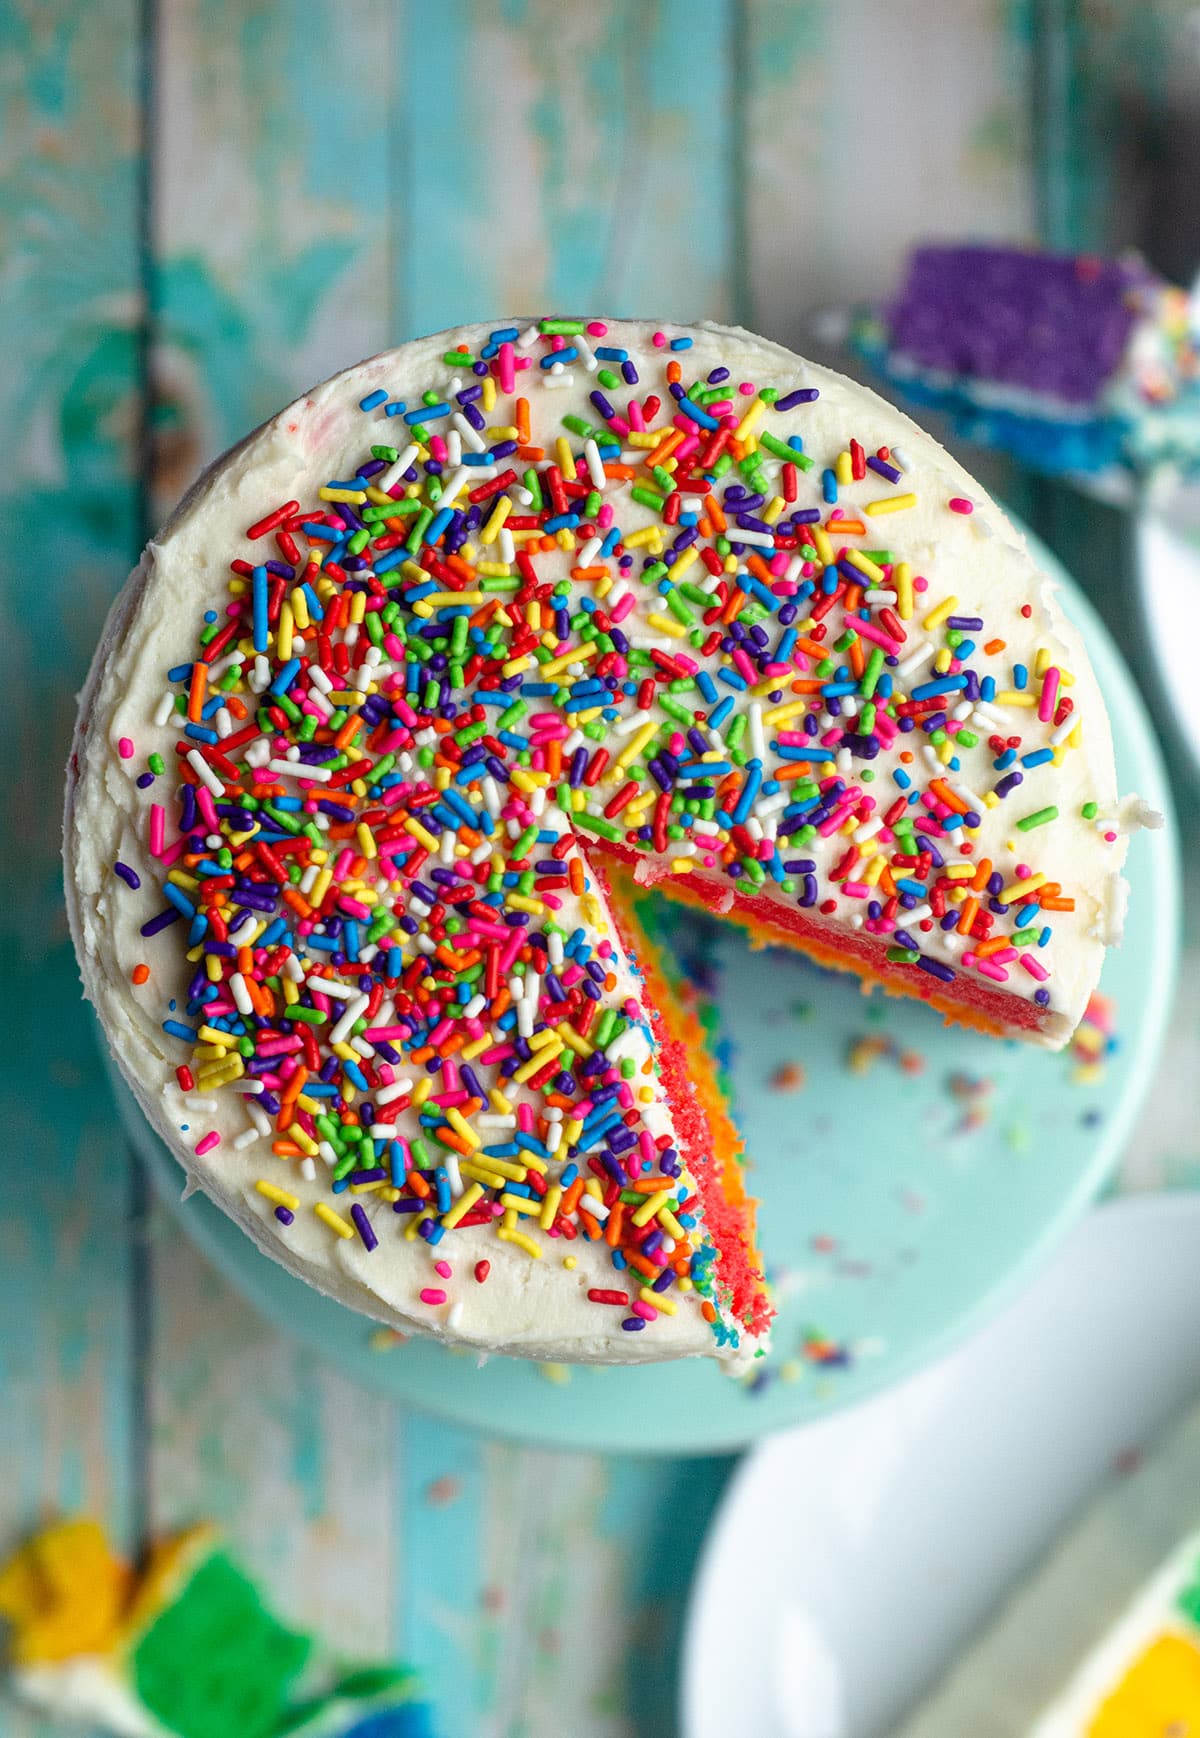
(427, 692)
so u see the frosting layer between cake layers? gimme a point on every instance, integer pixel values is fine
(482, 601)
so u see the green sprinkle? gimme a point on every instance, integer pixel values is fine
(1038, 819)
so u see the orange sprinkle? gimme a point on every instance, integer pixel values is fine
(140, 973)
(522, 421)
(994, 646)
(196, 691)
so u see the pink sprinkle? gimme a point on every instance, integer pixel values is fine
(1035, 968)
(125, 748)
(443, 1268)
(158, 825)
(596, 328)
(658, 340)
(210, 1140)
(1110, 838)
(433, 1294)
(747, 388)
(960, 504)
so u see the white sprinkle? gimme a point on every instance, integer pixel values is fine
(204, 772)
(389, 478)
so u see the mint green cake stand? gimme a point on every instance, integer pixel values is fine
(901, 1204)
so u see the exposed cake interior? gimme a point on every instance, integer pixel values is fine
(705, 1131)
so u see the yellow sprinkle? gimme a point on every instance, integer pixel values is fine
(520, 1204)
(1018, 891)
(681, 866)
(891, 504)
(488, 396)
(667, 625)
(495, 569)
(637, 742)
(642, 438)
(495, 519)
(748, 421)
(537, 1062)
(658, 1300)
(462, 1206)
(936, 616)
(358, 608)
(770, 514)
(578, 655)
(550, 1205)
(499, 1103)
(781, 714)
(574, 1040)
(865, 565)
(821, 543)
(286, 620)
(639, 539)
(1016, 697)
(422, 1090)
(461, 1126)
(299, 608)
(671, 1225)
(570, 1263)
(565, 457)
(413, 826)
(650, 1206)
(526, 1243)
(521, 902)
(355, 495)
(280, 1197)
(843, 468)
(222, 1040)
(682, 562)
(501, 1167)
(366, 841)
(514, 666)
(335, 1222)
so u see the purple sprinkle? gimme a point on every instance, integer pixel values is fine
(129, 876)
(363, 1226)
(285, 1216)
(802, 395)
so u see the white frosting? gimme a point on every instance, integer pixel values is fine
(539, 1308)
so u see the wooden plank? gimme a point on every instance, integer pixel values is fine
(293, 1461)
(545, 1592)
(271, 248)
(272, 216)
(867, 127)
(550, 157)
(70, 404)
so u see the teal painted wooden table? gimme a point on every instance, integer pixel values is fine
(207, 205)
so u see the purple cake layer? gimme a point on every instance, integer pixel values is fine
(1054, 324)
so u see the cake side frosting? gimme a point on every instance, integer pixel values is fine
(791, 648)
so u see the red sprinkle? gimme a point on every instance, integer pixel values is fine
(482, 1269)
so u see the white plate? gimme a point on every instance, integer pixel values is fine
(851, 1559)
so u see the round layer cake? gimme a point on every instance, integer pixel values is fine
(417, 684)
